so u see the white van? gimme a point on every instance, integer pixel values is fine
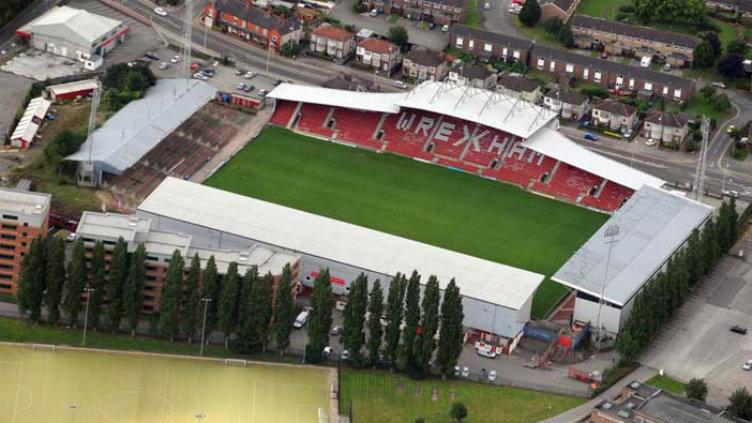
(645, 61)
(301, 320)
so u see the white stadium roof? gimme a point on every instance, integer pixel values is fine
(652, 224)
(492, 109)
(142, 124)
(338, 241)
(495, 110)
(69, 23)
(376, 102)
(552, 143)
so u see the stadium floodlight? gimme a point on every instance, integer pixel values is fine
(203, 328)
(610, 234)
(88, 290)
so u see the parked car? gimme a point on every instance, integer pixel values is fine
(604, 55)
(164, 65)
(731, 193)
(651, 142)
(239, 72)
(491, 375)
(719, 84)
(667, 67)
(731, 129)
(747, 366)
(486, 352)
(514, 9)
(152, 56)
(277, 82)
(240, 86)
(208, 72)
(249, 88)
(445, 28)
(456, 370)
(301, 320)
(159, 11)
(71, 237)
(345, 355)
(374, 13)
(590, 136)
(738, 329)
(465, 372)
(646, 61)
(327, 352)
(627, 133)
(249, 75)
(263, 93)
(175, 59)
(432, 25)
(400, 84)
(201, 76)
(337, 330)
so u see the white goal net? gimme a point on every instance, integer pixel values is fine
(235, 362)
(43, 347)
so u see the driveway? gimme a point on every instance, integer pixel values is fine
(434, 39)
(697, 343)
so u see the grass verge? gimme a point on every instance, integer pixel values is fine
(667, 384)
(472, 14)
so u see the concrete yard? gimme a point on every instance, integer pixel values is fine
(698, 342)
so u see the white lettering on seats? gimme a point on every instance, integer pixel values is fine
(519, 149)
(475, 139)
(498, 145)
(465, 137)
(425, 125)
(403, 123)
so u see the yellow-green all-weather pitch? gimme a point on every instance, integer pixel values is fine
(63, 386)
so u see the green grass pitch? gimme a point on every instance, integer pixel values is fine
(40, 386)
(423, 202)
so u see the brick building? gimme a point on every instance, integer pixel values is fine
(252, 24)
(23, 216)
(160, 245)
(614, 115)
(742, 7)
(487, 44)
(569, 104)
(519, 86)
(610, 74)
(633, 40)
(665, 127)
(379, 54)
(425, 64)
(439, 11)
(475, 75)
(332, 41)
(563, 9)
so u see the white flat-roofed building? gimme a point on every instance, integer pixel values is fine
(161, 244)
(652, 226)
(28, 126)
(75, 34)
(497, 298)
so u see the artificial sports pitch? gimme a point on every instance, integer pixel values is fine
(419, 201)
(44, 386)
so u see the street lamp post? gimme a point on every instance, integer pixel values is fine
(203, 328)
(610, 234)
(88, 290)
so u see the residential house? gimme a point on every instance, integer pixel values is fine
(614, 115)
(563, 9)
(633, 40)
(487, 44)
(478, 76)
(253, 24)
(610, 74)
(569, 104)
(422, 63)
(665, 127)
(379, 54)
(641, 403)
(438, 11)
(332, 41)
(519, 86)
(742, 7)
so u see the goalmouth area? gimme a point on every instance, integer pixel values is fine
(62, 385)
(419, 201)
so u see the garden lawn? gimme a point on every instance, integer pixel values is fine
(667, 384)
(601, 8)
(472, 16)
(419, 201)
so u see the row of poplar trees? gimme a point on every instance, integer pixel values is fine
(660, 298)
(408, 340)
(241, 305)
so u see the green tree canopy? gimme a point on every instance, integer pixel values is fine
(189, 311)
(76, 283)
(683, 12)
(696, 389)
(375, 331)
(133, 290)
(227, 312)
(115, 281)
(55, 277)
(320, 319)
(530, 13)
(172, 291)
(703, 56)
(353, 336)
(284, 309)
(398, 35)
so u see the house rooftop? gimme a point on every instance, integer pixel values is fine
(634, 31)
